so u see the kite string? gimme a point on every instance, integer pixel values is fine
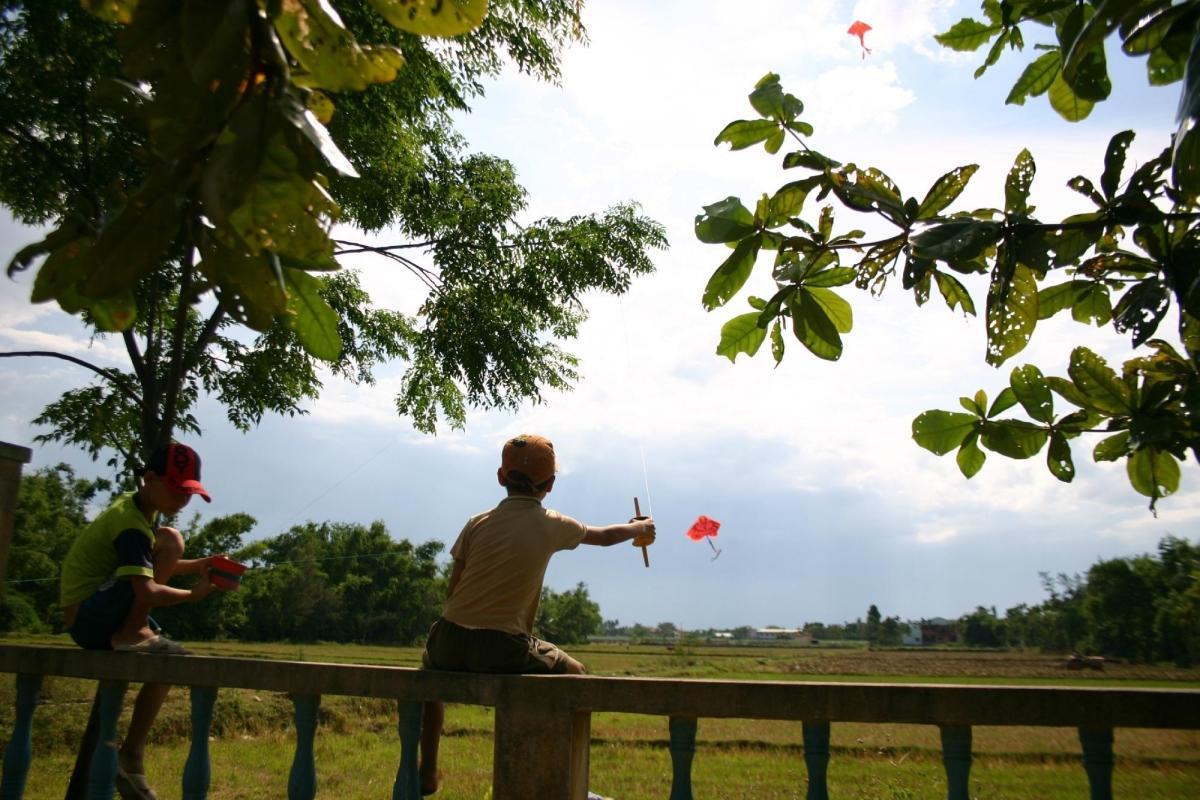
(629, 381)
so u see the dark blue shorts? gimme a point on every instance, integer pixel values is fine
(102, 614)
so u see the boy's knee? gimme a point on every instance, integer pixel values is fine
(168, 542)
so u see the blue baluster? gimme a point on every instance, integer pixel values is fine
(683, 750)
(302, 782)
(103, 771)
(816, 759)
(956, 755)
(408, 779)
(19, 753)
(197, 772)
(1098, 761)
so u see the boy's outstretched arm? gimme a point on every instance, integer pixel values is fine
(641, 530)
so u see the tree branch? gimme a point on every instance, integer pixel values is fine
(112, 376)
(358, 247)
(207, 334)
(175, 379)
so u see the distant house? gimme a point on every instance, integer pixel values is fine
(938, 631)
(722, 635)
(910, 634)
(779, 634)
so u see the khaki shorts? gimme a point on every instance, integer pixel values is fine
(454, 648)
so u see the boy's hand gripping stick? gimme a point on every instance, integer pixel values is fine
(637, 513)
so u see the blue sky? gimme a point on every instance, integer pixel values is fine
(826, 504)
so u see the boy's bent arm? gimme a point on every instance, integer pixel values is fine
(607, 535)
(156, 594)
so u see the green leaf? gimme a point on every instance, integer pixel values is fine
(1150, 31)
(310, 317)
(959, 239)
(1114, 162)
(788, 201)
(329, 55)
(972, 405)
(1098, 385)
(1185, 159)
(117, 313)
(433, 17)
(1153, 473)
(769, 100)
(1011, 313)
(777, 342)
(1018, 183)
(836, 276)
(993, 54)
(282, 211)
(251, 288)
(810, 159)
(944, 191)
(954, 293)
(967, 35)
(1058, 458)
(733, 273)
(741, 335)
(813, 327)
(1013, 438)
(724, 221)
(1033, 392)
(836, 308)
(1067, 391)
(119, 11)
(1112, 448)
(970, 458)
(942, 431)
(1141, 309)
(135, 242)
(1069, 105)
(1037, 78)
(745, 133)
(1003, 402)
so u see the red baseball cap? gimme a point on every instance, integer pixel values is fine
(179, 468)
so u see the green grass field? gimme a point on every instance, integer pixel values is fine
(358, 750)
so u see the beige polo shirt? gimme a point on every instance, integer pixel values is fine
(505, 552)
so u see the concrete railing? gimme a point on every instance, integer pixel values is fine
(543, 723)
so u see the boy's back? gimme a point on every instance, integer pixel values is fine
(505, 552)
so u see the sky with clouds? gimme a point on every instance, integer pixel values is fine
(826, 504)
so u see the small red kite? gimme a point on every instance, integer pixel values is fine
(859, 29)
(705, 528)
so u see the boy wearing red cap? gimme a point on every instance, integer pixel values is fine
(117, 571)
(500, 559)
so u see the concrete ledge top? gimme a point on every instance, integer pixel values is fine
(15, 452)
(936, 704)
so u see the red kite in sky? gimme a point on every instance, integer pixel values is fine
(705, 528)
(859, 29)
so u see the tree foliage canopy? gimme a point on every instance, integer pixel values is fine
(1122, 261)
(193, 159)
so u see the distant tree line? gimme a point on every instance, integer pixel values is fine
(330, 581)
(1142, 608)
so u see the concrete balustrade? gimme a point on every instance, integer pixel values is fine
(543, 723)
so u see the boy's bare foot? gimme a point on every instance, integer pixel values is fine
(430, 778)
(131, 762)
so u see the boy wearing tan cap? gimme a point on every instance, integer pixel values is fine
(500, 559)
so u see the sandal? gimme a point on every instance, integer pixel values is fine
(133, 786)
(159, 645)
